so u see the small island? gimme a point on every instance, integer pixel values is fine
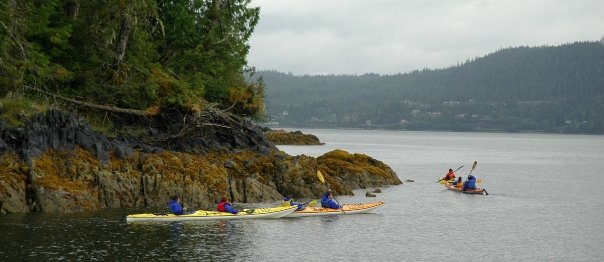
(119, 106)
(282, 137)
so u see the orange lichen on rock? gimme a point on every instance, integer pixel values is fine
(52, 173)
(340, 161)
(282, 137)
(178, 167)
(214, 177)
(12, 173)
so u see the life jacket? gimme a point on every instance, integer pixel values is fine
(175, 207)
(450, 176)
(220, 207)
(327, 202)
(470, 183)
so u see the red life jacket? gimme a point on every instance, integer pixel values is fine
(450, 175)
(220, 206)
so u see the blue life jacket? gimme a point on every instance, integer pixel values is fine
(230, 209)
(175, 207)
(290, 202)
(327, 202)
(470, 183)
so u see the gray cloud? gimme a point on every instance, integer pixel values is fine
(390, 36)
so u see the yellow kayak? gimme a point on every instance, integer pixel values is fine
(201, 215)
(442, 181)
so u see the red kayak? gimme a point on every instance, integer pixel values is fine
(477, 191)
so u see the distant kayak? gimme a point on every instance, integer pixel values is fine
(477, 191)
(347, 209)
(444, 182)
(200, 215)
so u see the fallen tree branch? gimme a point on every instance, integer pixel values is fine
(92, 105)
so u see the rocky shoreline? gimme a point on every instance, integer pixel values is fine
(57, 163)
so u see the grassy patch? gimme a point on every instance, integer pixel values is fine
(15, 108)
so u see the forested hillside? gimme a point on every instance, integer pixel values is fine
(142, 56)
(542, 89)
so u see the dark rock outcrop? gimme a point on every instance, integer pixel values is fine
(56, 163)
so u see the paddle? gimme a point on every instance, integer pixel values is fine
(473, 166)
(485, 191)
(322, 179)
(311, 203)
(453, 172)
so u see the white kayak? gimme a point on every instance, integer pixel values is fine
(201, 215)
(347, 209)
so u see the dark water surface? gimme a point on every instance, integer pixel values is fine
(545, 204)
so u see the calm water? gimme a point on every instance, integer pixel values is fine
(545, 204)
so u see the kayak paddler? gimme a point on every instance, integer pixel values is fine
(289, 201)
(327, 201)
(458, 183)
(450, 175)
(175, 207)
(225, 206)
(470, 183)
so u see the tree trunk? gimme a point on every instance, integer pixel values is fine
(125, 28)
(72, 8)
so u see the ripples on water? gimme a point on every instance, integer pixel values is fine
(546, 204)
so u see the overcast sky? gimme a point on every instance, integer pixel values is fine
(398, 36)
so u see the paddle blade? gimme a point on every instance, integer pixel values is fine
(473, 166)
(312, 203)
(320, 176)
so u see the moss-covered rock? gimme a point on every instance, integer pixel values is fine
(282, 137)
(13, 175)
(64, 179)
(345, 171)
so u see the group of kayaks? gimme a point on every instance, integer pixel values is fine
(458, 186)
(257, 213)
(287, 210)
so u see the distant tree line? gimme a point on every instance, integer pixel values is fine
(544, 89)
